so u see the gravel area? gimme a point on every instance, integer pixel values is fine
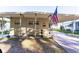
(30, 46)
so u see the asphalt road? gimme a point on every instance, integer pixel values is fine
(69, 43)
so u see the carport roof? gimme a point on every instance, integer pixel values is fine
(61, 17)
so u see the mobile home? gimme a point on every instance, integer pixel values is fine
(72, 26)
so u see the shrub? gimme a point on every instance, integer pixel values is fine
(6, 32)
(0, 32)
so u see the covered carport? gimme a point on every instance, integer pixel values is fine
(33, 22)
(67, 17)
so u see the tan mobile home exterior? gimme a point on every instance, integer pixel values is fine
(31, 23)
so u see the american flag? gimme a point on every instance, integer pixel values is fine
(54, 17)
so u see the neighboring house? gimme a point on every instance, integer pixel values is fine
(4, 24)
(72, 26)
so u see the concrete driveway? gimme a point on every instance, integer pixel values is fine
(69, 43)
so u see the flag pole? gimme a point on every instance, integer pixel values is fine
(54, 17)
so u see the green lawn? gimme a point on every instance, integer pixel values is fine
(67, 32)
(4, 32)
(8, 38)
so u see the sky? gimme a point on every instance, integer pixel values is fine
(51, 9)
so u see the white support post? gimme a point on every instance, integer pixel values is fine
(20, 23)
(2, 27)
(35, 23)
(73, 26)
(26, 26)
(49, 26)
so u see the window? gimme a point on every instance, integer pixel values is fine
(77, 23)
(37, 23)
(44, 25)
(70, 25)
(33, 23)
(17, 23)
(30, 22)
